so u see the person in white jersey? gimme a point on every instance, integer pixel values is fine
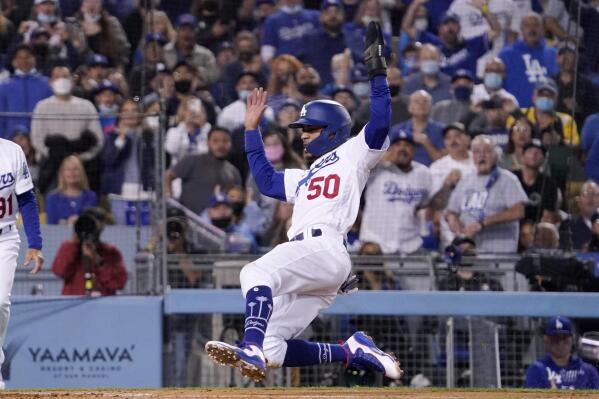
(286, 288)
(16, 194)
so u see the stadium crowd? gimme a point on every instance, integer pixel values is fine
(495, 117)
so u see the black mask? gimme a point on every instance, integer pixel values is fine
(237, 208)
(284, 78)
(40, 49)
(221, 223)
(394, 89)
(246, 56)
(308, 89)
(183, 86)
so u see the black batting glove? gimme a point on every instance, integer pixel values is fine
(373, 51)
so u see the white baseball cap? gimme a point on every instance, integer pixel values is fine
(45, 1)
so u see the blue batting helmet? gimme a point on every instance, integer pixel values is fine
(333, 117)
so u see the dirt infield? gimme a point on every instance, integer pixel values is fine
(292, 393)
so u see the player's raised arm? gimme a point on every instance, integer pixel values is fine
(380, 98)
(270, 182)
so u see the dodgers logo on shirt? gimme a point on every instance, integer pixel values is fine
(534, 70)
(328, 161)
(393, 193)
(475, 202)
(6, 180)
(25, 170)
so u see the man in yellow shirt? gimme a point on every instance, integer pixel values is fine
(552, 127)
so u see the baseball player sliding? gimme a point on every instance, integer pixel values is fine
(16, 194)
(286, 288)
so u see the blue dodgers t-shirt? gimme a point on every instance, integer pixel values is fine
(544, 373)
(286, 31)
(525, 66)
(463, 56)
(321, 49)
(433, 132)
(61, 207)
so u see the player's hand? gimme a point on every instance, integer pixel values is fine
(34, 255)
(373, 51)
(256, 104)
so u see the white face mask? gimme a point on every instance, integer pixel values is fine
(153, 123)
(291, 9)
(243, 94)
(421, 24)
(91, 17)
(62, 86)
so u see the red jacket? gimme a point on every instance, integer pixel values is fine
(110, 275)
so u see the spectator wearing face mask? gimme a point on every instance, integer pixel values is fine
(221, 214)
(308, 84)
(142, 74)
(450, 111)
(247, 48)
(103, 32)
(346, 97)
(190, 136)
(76, 131)
(555, 127)
(185, 48)
(281, 156)
(326, 41)
(22, 91)
(492, 121)
(285, 30)
(246, 212)
(459, 53)
(492, 85)
(232, 116)
(430, 78)
(107, 98)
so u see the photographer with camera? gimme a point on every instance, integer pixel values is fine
(88, 265)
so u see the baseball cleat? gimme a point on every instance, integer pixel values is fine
(249, 359)
(363, 353)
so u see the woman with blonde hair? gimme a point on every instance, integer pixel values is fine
(72, 196)
(282, 84)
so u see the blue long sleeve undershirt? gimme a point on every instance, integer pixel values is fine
(270, 181)
(380, 113)
(31, 221)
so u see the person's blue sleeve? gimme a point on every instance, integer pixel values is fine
(31, 220)
(590, 130)
(479, 45)
(269, 34)
(377, 129)
(592, 380)
(535, 376)
(427, 37)
(269, 181)
(51, 206)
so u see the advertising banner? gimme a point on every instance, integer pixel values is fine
(84, 343)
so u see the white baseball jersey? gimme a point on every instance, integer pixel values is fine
(329, 192)
(15, 179)
(441, 168)
(392, 198)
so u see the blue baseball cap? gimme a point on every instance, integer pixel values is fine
(450, 17)
(330, 3)
(462, 74)
(107, 84)
(187, 19)
(97, 60)
(156, 37)
(559, 325)
(402, 135)
(218, 199)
